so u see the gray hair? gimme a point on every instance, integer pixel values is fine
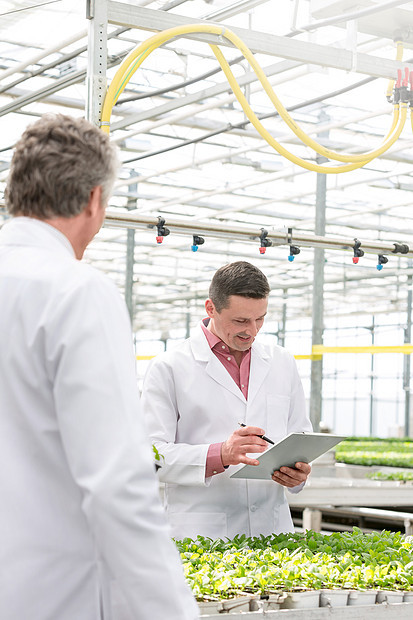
(239, 278)
(56, 164)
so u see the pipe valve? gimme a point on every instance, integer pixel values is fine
(264, 242)
(382, 260)
(294, 251)
(196, 241)
(358, 252)
(162, 230)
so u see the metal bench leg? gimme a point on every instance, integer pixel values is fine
(312, 519)
(408, 527)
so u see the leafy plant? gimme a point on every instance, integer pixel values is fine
(157, 454)
(158, 457)
(311, 560)
(403, 476)
(392, 452)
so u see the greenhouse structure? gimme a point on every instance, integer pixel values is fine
(277, 133)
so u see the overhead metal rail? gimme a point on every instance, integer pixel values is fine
(252, 234)
(104, 12)
(259, 42)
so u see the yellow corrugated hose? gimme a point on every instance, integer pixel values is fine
(137, 56)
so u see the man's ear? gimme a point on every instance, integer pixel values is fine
(95, 201)
(210, 308)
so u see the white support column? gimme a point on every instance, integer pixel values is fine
(312, 519)
(408, 527)
(96, 13)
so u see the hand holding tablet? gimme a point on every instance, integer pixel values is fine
(295, 448)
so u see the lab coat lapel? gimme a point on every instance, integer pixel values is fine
(214, 368)
(217, 371)
(259, 368)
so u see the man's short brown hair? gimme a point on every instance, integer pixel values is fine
(239, 278)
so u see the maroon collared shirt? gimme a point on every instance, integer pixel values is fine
(240, 374)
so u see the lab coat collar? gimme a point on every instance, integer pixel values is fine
(29, 231)
(260, 365)
(259, 369)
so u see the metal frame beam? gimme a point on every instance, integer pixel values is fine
(96, 13)
(259, 42)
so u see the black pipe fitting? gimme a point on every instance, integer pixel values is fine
(400, 248)
(264, 242)
(162, 230)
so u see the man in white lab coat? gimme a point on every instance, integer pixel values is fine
(197, 394)
(80, 513)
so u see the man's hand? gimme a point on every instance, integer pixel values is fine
(290, 477)
(242, 441)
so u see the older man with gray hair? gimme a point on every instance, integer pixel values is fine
(80, 511)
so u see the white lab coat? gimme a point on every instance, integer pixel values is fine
(190, 401)
(80, 512)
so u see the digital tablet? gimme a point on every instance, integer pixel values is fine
(296, 447)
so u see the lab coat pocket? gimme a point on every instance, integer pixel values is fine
(278, 407)
(193, 524)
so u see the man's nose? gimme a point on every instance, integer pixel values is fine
(252, 329)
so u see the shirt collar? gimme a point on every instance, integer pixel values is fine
(31, 231)
(211, 338)
(214, 340)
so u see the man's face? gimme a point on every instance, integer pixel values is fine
(239, 323)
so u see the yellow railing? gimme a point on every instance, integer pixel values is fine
(318, 350)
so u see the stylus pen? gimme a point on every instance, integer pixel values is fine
(262, 436)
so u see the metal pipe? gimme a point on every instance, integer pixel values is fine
(43, 54)
(136, 220)
(130, 258)
(234, 9)
(282, 331)
(372, 425)
(172, 4)
(43, 93)
(317, 328)
(407, 362)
